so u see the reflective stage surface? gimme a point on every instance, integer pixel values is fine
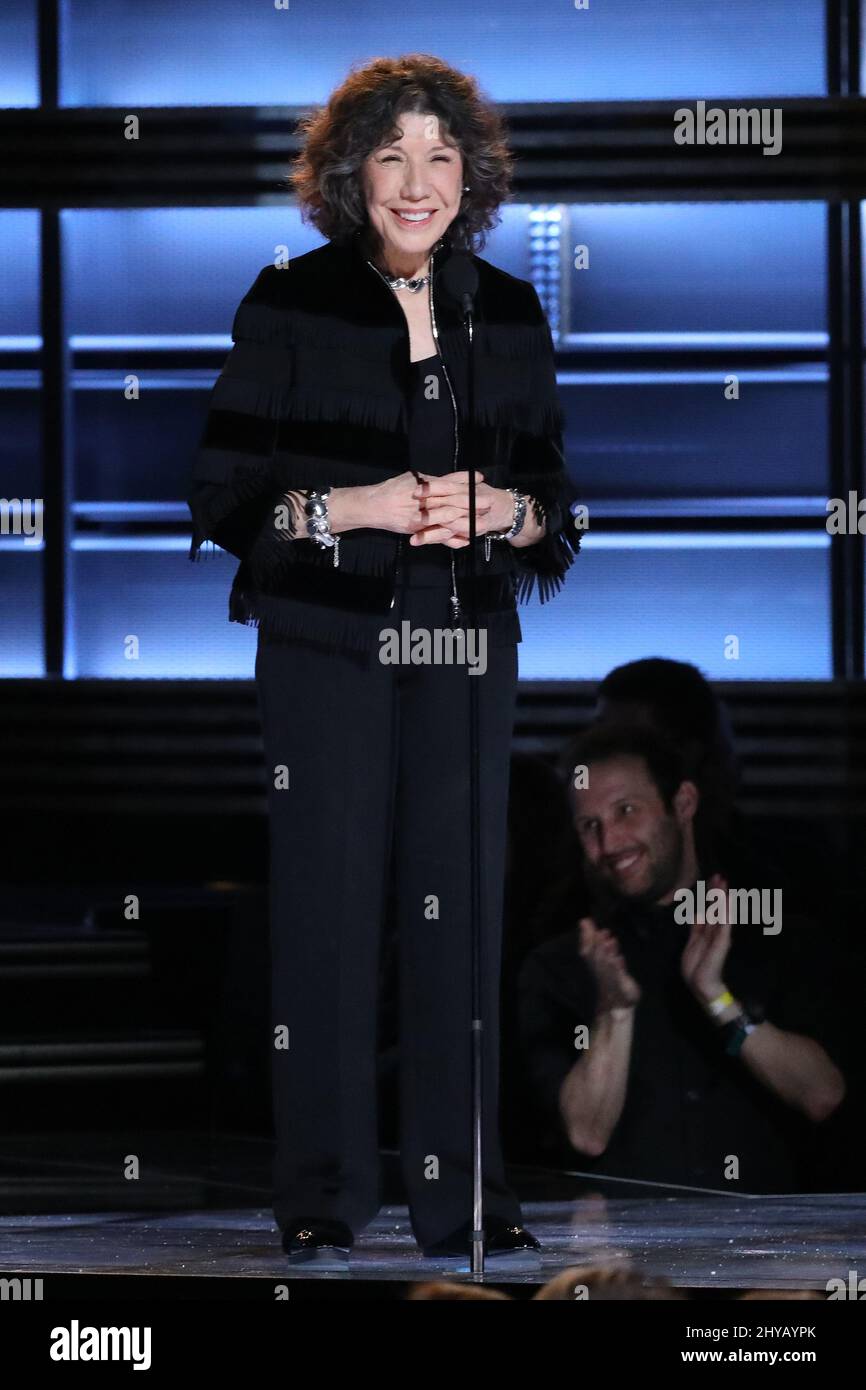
(200, 1210)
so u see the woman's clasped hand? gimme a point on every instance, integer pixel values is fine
(436, 509)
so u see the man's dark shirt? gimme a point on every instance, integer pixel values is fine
(688, 1105)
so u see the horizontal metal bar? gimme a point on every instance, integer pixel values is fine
(619, 151)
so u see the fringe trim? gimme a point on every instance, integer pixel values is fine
(211, 504)
(290, 401)
(359, 555)
(535, 417)
(536, 408)
(222, 466)
(269, 325)
(543, 565)
(290, 618)
(293, 402)
(552, 490)
(197, 549)
(358, 634)
(295, 471)
(283, 470)
(509, 340)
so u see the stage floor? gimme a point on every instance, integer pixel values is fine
(775, 1243)
(200, 1212)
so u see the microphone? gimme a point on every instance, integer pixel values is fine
(460, 281)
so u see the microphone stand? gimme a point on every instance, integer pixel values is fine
(477, 1032)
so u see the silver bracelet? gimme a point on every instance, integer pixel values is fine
(319, 523)
(516, 526)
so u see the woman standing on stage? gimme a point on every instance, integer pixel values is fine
(334, 466)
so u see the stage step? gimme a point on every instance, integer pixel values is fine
(103, 1022)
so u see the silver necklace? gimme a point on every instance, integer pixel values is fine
(399, 282)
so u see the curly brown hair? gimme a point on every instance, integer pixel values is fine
(362, 114)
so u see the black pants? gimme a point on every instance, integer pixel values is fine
(377, 766)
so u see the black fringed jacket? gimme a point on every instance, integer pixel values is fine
(315, 391)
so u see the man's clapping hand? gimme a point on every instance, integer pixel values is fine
(600, 949)
(703, 959)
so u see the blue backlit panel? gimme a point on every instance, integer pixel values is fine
(685, 597)
(176, 611)
(628, 596)
(171, 271)
(140, 450)
(723, 271)
(19, 278)
(21, 649)
(219, 52)
(20, 461)
(19, 67)
(654, 435)
(510, 244)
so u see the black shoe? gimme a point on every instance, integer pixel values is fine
(499, 1239)
(503, 1239)
(317, 1241)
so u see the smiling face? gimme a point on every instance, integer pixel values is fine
(413, 188)
(635, 847)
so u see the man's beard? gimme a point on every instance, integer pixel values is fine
(664, 856)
